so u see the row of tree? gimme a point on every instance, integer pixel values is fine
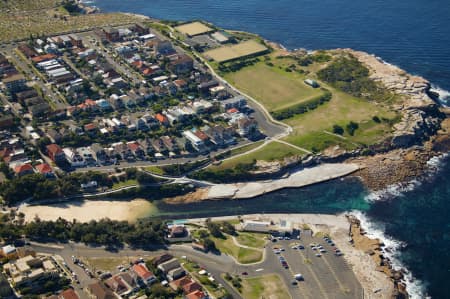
(302, 107)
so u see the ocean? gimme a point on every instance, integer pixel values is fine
(415, 35)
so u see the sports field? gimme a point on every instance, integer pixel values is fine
(194, 28)
(275, 88)
(243, 49)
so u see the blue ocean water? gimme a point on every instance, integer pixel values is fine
(414, 35)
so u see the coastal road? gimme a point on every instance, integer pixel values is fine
(328, 276)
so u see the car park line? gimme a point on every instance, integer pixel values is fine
(314, 276)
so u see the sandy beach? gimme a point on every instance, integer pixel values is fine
(85, 211)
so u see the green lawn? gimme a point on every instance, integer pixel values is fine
(241, 254)
(124, 184)
(252, 239)
(245, 148)
(266, 286)
(273, 87)
(155, 169)
(271, 152)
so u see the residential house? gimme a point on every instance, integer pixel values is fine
(182, 64)
(219, 135)
(111, 34)
(197, 295)
(147, 146)
(164, 47)
(54, 136)
(180, 283)
(98, 152)
(55, 153)
(247, 127)
(161, 259)
(141, 28)
(98, 290)
(39, 109)
(74, 158)
(141, 124)
(123, 284)
(15, 82)
(175, 273)
(169, 265)
(45, 170)
(170, 144)
(23, 169)
(196, 142)
(136, 149)
(158, 145)
(68, 294)
(162, 119)
(144, 274)
(191, 287)
(237, 102)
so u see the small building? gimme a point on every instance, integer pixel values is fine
(256, 226)
(312, 83)
(161, 259)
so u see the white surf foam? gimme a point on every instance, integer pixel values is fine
(391, 250)
(444, 95)
(435, 164)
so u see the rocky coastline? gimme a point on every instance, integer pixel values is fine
(374, 248)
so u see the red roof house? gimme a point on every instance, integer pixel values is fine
(196, 295)
(23, 169)
(44, 169)
(69, 294)
(55, 153)
(144, 274)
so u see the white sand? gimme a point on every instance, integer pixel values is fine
(304, 177)
(85, 211)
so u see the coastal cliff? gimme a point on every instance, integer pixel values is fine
(420, 117)
(374, 248)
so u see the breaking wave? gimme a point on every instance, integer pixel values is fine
(392, 250)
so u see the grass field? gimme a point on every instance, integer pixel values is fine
(266, 286)
(194, 28)
(242, 49)
(155, 169)
(241, 254)
(271, 152)
(27, 5)
(107, 263)
(273, 87)
(124, 184)
(252, 239)
(277, 88)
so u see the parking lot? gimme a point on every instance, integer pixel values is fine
(323, 274)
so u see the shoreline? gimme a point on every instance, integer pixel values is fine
(372, 278)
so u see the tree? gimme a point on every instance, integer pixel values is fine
(338, 130)
(209, 244)
(351, 128)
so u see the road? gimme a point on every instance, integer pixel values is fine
(56, 99)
